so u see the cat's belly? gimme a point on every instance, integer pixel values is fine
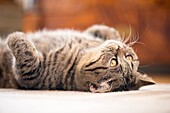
(46, 41)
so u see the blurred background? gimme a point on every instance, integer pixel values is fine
(148, 19)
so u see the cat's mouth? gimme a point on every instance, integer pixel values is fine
(104, 86)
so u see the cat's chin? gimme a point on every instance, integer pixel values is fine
(103, 87)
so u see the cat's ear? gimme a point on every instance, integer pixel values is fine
(143, 80)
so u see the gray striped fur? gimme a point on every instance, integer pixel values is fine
(68, 60)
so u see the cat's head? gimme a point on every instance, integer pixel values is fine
(113, 66)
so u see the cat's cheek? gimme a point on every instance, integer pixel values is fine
(81, 83)
(83, 80)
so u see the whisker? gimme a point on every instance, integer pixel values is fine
(131, 38)
(130, 33)
(140, 71)
(135, 40)
(140, 43)
(126, 40)
(123, 37)
(147, 65)
(132, 42)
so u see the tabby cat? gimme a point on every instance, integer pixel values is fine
(95, 60)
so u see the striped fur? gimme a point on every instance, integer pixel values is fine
(68, 60)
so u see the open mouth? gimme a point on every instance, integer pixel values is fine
(104, 86)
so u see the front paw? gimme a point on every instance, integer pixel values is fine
(15, 39)
(20, 46)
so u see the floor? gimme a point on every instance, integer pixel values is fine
(149, 99)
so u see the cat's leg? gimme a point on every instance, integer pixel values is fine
(104, 32)
(27, 60)
(6, 78)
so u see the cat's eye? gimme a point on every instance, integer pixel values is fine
(129, 57)
(113, 62)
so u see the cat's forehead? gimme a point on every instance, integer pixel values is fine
(115, 44)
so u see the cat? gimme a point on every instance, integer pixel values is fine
(96, 60)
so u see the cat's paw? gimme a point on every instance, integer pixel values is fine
(104, 32)
(20, 45)
(15, 39)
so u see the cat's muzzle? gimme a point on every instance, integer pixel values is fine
(105, 86)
